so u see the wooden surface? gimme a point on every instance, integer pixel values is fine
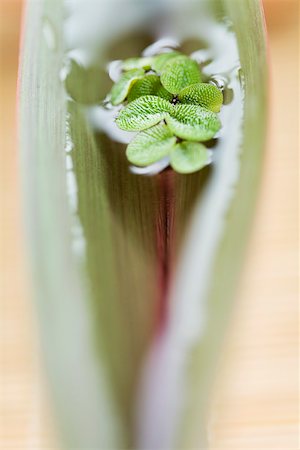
(256, 401)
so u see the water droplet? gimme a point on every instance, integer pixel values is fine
(241, 76)
(220, 81)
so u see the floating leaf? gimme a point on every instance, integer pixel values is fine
(87, 85)
(149, 85)
(162, 92)
(160, 61)
(137, 63)
(203, 94)
(151, 145)
(120, 90)
(143, 113)
(179, 73)
(193, 122)
(188, 157)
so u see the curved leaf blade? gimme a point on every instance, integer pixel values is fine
(151, 145)
(137, 63)
(143, 113)
(149, 85)
(193, 122)
(179, 73)
(161, 60)
(120, 90)
(189, 157)
(202, 94)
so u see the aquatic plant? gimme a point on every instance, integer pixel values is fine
(173, 111)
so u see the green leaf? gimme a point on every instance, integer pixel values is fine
(149, 85)
(179, 73)
(160, 61)
(150, 145)
(188, 157)
(193, 122)
(137, 63)
(143, 113)
(203, 94)
(87, 85)
(120, 90)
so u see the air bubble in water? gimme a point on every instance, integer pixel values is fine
(220, 81)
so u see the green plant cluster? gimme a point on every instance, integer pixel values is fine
(172, 110)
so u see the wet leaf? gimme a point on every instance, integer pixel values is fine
(160, 61)
(143, 113)
(151, 145)
(137, 63)
(193, 122)
(203, 94)
(120, 90)
(149, 85)
(179, 73)
(188, 157)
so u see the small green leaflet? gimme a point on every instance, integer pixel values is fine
(166, 127)
(87, 85)
(193, 122)
(149, 85)
(137, 63)
(150, 145)
(188, 157)
(179, 73)
(203, 94)
(120, 90)
(161, 60)
(143, 113)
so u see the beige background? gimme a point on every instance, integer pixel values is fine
(256, 401)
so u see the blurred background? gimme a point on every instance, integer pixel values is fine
(256, 397)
